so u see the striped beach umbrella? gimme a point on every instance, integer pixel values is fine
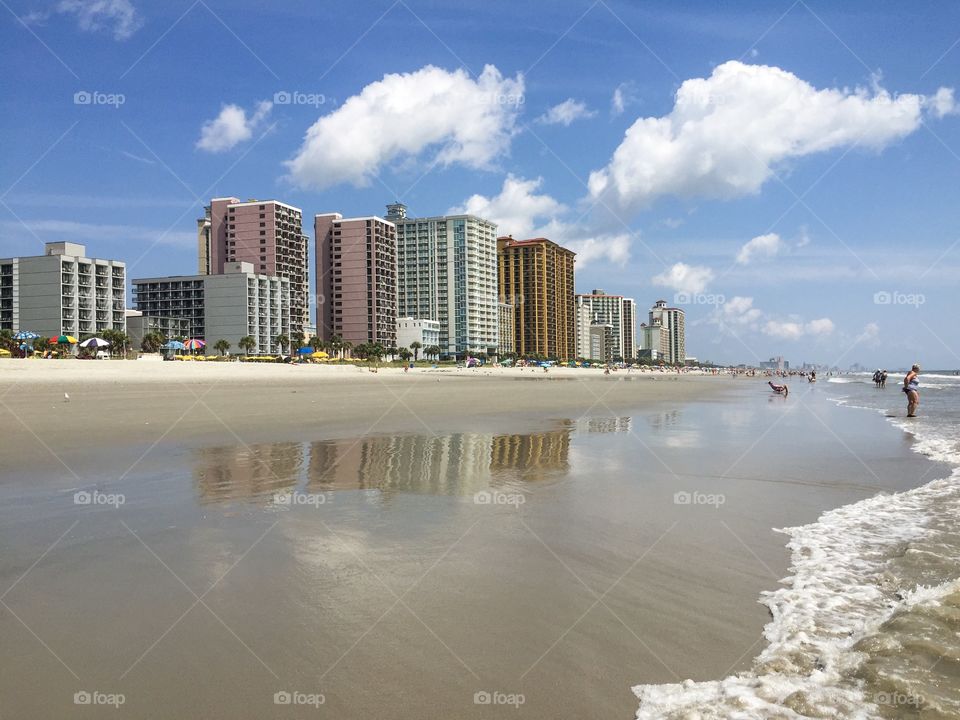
(194, 344)
(63, 340)
(94, 342)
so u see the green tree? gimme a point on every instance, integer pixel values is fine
(415, 346)
(345, 347)
(405, 354)
(246, 344)
(283, 341)
(432, 351)
(221, 346)
(6, 340)
(317, 343)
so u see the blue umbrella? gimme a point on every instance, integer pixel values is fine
(173, 345)
(26, 335)
(305, 350)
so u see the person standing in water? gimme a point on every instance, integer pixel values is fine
(911, 386)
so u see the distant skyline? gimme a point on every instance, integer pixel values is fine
(784, 171)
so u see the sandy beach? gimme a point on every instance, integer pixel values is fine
(544, 541)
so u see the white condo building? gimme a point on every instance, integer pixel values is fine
(672, 321)
(447, 271)
(411, 330)
(62, 292)
(228, 306)
(617, 311)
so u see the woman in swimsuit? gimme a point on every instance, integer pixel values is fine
(911, 386)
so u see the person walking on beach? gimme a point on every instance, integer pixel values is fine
(883, 380)
(911, 386)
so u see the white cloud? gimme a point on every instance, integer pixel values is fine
(685, 278)
(516, 209)
(794, 330)
(869, 335)
(232, 127)
(739, 311)
(942, 103)
(118, 16)
(611, 248)
(727, 132)
(762, 246)
(623, 95)
(469, 122)
(565, 113)
(519, 210)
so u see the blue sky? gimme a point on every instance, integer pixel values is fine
(788, 170)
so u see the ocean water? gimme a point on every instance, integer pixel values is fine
(867, 624)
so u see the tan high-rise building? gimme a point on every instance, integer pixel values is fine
(268, 234)
(536, 277)
(356, 279)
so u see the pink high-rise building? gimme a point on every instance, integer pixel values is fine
(268, 234)
(356, 279)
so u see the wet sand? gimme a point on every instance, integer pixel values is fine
(637, 554)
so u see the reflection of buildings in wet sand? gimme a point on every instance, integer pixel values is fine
(604, 424)
(227, 473)
(533, 455)
(459, 464)
(442, 465)
(660, 421)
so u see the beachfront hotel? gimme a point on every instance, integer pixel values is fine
(356, 279)
(672, 322)
(269, 235)
(411, 330)
(228, 306)
(62, 292)
(506, 331)
(617, 311)
(447, 271)
(536, 276)
(139, 325)
(654, 342)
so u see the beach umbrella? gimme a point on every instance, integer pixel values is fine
(305, 351)
(172, 345)
(63, 340)
(319, 355)
(194, 344)
(26, 335)
(94, 342)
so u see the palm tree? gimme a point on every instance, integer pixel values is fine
(346, 346)
(337, 345)
(151, 341)
(415, 346)
(432, 351)
(282, 340)
(221, 346)
(246, 344)
(405, 354)
(317, 343)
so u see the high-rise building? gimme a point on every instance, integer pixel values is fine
(536, 277)
(62, 292)
(447, 271)
(356, 279)
(672, 320)
(227, 306)
(268, 234)
(615, 310)
(505, 329)
(654, 341)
